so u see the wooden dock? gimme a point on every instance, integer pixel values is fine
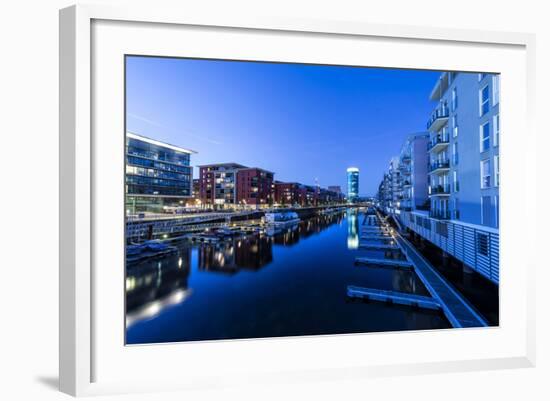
(378, 246)
(376, 237)
(394, 297)
(454, 306)
(401, 264)
(385, 232)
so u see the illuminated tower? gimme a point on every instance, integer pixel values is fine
(353, 184)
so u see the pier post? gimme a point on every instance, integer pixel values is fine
(466, 275)
(466, 269)
(444, 258)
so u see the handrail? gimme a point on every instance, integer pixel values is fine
(475, 246)
(440, 112)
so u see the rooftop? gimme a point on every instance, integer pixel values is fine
(229, 164)
(158, 143)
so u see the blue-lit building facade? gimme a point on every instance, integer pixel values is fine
(158, 175)
(460, 170)
(464, 130)
(413, 166)
(353, 184)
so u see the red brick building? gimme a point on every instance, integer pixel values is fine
(254, 187)
(289, 193)
(217, 184)
(227, 185)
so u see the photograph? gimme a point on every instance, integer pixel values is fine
(277, 199)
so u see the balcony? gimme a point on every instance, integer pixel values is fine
(439, 118)
(439, 190)
(438, 142)
(406, 159)
(439, 166)
(440, 214)
(406, 183)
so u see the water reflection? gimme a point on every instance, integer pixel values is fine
(301, 271)
(153, 285)
(353, 229)
(252, 252)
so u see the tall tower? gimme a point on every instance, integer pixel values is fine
(353, 184)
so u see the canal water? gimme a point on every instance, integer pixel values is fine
(290, 284)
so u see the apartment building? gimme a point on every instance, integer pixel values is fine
(462, 173)
(413, 164)
(226, 185)
(463, 150)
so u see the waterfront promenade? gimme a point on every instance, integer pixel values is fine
(161, 226)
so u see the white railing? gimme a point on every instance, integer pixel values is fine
(476, 246)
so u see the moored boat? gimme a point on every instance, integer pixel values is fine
(281, 219)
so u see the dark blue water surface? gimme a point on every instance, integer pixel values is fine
(293, 283)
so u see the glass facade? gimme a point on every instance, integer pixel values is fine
(353, 184)
(157, 175)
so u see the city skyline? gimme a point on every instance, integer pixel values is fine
(335, 117)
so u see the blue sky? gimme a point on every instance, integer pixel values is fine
(302, 122)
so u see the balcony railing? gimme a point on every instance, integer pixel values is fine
(439, 164)
(439, 189)
(406, 183)
(438, 118)
(439, 141)
(440, 214)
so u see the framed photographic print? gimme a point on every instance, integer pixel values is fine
(274, 200)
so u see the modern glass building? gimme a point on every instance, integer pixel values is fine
(158, 175)
(353, 184)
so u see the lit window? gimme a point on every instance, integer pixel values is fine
(484, 100)
(485, 174)
(455, 181)
(496, 89)
(496, 130)
(484, 137)
(455, 126)
(455, 153)
(454, 102)
(497, 171)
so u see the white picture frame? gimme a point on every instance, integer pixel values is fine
(81, 346)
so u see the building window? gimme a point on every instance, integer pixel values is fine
(486, 212)
(497, 171)
(484, 137)
(497, 212)
(454, 102)
(456, 212)
(484, 100)
(496, 129)
(496, 89)
(455, 153)
(455, 181)
(455, 126)
(485, 173)
(482, 244)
